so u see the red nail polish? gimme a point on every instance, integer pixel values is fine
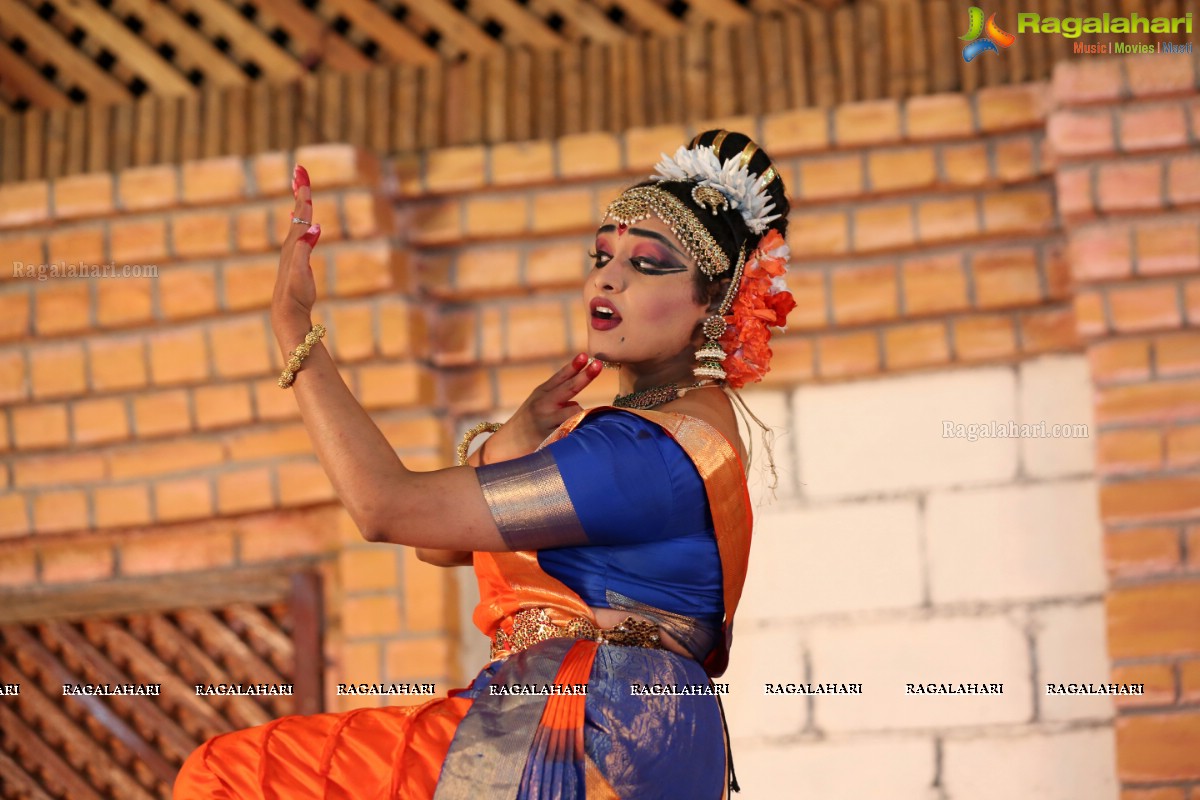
(311, 235)
(299, 178)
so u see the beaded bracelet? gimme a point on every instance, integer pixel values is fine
(302, 350)
(470, 435)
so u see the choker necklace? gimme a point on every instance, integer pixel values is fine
(649, 398)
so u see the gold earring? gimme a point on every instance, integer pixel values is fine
(711, 354)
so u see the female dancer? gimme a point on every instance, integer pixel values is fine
(610, 553)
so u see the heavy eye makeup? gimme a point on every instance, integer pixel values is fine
(644, 264)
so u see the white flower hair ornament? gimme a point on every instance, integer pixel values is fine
(744, 191)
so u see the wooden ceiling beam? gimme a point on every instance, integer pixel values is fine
(131, 49)
(49, 43)
(455, 27)
(649, 16)
(315, 36)
(520, 25)
(725, 12)
(401, 44)
(586, 17)
(275, 62)
(21, 79)
(217, 68)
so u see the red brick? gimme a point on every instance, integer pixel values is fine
(1183, 447)
(867, 122)
(60, 511)
(62, 307)
(367, 215)
(172, 553)
(1177, 354)
(418, 659)
(282, 535)
(24, 203)
(808, 289)
(272, 174)
(244, 490)
(367, 268)
(330, 165)
(517, 163)
(302, 482)
(1130, 185)
(124, 301)
(832, 176)
(186, 292)
(1016, 106)
(901, 168)
(1048, 330)
(455, 169)
(645, 147)
(441, 222)
(27, 249)
(1141, 307)
(1056, 267)
(83, 195)
(1148, 77)
(163, 458)
(255, 444)
(376, 615)
(1073, 185)
(1149, 127)
(848, 354)
(1150, 499)
(866, 294)
(1087, 80)
(1081, 133)
(818, 234)
(1120, 360)
(883, 227)
(196, 235)
(182, 499)
(982, 337)
(39, 426)
(1129, 450)
(240, 348)
(1191, 300)
(1189, 674)
(1005, 277)
(162, 413)
(456, 338)
(249, 283)
(403, 328)
(1159, 683)
(353, 332)
(1030, 210)
(99, 421)
(14, 516)
(557, 212)
(952, 218)
(18, 568)
(1015, 159)
(796, 131)
(916, 345)
(271, 403)
(938, 116)
(791, 361)
(138, 241)
(1183, 179)
(252, 231)
(214, 181)
(222, 405)
(57, 370)
(1165, 401)
(14, 377)
(587, 155)
(1168, 247)
(178, 356)
(78, 245)
(369, 568)
(467, 391)
(1099, 253)
(1157, 747)
(121, 506)
(145, 188)
(394, 385)
(535, 330)
(964, 164)
(61, 469)
(78, 562)
(428, 595)
(558, 265)
(1153, 620)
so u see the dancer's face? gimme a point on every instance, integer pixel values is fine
(643, 274)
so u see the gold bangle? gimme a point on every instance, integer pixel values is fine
(299, 354)
(470, 435)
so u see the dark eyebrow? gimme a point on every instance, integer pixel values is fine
(643, 233)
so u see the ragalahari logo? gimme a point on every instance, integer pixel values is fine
(991, 33)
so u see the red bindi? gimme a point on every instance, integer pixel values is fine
(621, 228)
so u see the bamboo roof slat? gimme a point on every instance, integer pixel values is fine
(313, 36)
(196, 49)
(22, 80)
(218, 17)
(396, 41)
(520, 26)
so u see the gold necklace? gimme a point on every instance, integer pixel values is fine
(649, 398)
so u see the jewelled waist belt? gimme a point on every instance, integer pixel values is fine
(534, 625)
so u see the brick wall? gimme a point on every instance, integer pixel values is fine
(953, 260)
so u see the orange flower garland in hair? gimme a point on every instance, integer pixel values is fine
(762, 302)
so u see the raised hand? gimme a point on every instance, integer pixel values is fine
(295, 288)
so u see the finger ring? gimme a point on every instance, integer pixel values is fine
(298, 221)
